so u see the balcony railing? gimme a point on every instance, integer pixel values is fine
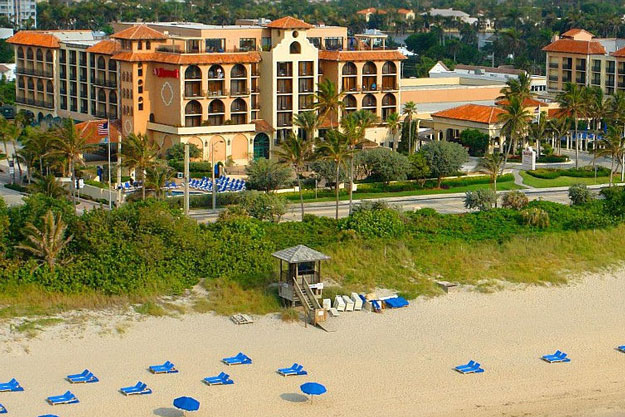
(101, 114)
(241, 92)
(238, 75)
(567, 66)
(194, 95)
(105, 83)
(36, 103)
(596, 69)
(369, 88)
(35, 72)
(216, 93)
(553, 78)
(394, 87)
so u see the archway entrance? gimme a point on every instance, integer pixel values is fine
(261, 146)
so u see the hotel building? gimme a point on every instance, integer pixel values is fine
(229, 90)
(578, 57)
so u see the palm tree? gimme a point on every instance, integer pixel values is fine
(11, 132)
(515, 121)
(46, 243)
(354, 127)
(296, 152)
(308, 122)
(559, 126)
(410, 110)
(492, 165)
(70, 144)
(597, 107)
(49, 186)
(393, 124)
(539, 130)
(139, 152)
(328, 101)
(39, 144)
(3, 136)
(573, 102)
(334, 148)
(519, 87)
(613, 146)
(156, 177)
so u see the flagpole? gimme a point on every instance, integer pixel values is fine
(108, 139)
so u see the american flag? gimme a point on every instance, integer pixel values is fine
(103, 129)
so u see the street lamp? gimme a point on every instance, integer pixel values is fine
(213, 170)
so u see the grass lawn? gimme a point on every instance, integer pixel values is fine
(560, 181)
(365, 192)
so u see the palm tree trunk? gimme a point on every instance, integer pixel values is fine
(301, 194)
(336, 187)
(611, 170)
(143, 184)
(351, 181)
(495, 187)
(576, 146)
(410, 136)
(73, 184)
(19, 166)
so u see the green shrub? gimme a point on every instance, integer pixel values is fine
(476, 141)
(263, 206)
(371, 221)
(267, 175)
(552, 159)
(535, 217)
(444, 158)
(16, 187)
(193, 166)
(614, 201)
(545, 173)
(515, 200)
(176, 152)
(382, 164)
(483, 199)
(580, 194)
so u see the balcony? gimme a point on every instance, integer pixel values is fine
(241, 92)
(35, 103)
(35, 72)
(394, 87)
(216, 93)
(100, 82)
(553, 78)
(101, 114)
(193, 95)
(554, 65)
(369, 88)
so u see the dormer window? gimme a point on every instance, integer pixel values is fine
(140, 45)
(148, 45)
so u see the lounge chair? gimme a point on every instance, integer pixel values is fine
(470, 368)
(12, 386)
(349, 303)
(396, 302)
(621, 348)
(294, 370)
(357, 302)
(339, 303)
(85, 376)
(557, 357)
(67, 398)
(138, 389)
(166, 368)
(239, 359)
(3, 409)
(221, 379)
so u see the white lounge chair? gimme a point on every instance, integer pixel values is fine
(327, 304)
(339, 303)
(349, 304)
(357, 302)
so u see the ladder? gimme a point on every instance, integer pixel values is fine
(304, 299)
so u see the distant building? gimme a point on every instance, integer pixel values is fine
(454, 14)
(406, 14)
(367, 13)
(7, 71)
(6, 33)
(22, 13)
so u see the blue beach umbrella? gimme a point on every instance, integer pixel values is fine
(313, 388)
(187, 404)
(49, 415)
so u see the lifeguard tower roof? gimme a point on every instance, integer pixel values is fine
(299, 254)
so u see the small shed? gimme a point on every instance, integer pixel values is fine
(300, 275)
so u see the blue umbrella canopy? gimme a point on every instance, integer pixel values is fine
(49, 415)
(313, 388)
(187, 403)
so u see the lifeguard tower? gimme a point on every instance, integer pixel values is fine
(300, 280)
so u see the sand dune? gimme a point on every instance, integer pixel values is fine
(395, 363)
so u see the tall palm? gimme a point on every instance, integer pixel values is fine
(519, 87)
(616, 111)
(39, 143)
(573, 102)
(354, 127)
(156, 177)
(308, 122)
(393, 124)
(515, 120)
(492, 165)
(49, 186)
(328, 101)
(559, 126)
(4, 138)
(597, 107)
(12, 131)
(139, 152)
(46, 243)
(613, 146)
(539, 130)
(296, 152)
(410, 110)
(70, 144)
(334, 148)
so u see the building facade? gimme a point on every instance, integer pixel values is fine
(230, 90)
(21, 13)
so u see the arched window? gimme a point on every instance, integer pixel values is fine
(101, 63)
(39, 54)
(101, 96)
(216, 106)
(49, 87)
(216, 111)
(216, 71)
(295, 48)
(193, 113)
(140, 86)
(349, 101)
(20, 82)
(140, 101)
(238, 71)
(369, 68)
(193, 72)
(49, 56)
(148, 45)
(39, 85)
(29, 53)
(113, 97)
(369, 102)
(389, 68)
(112, 65)
(389, 100)
(238, 110)
(349, 69)
(31, 84)
(20, 52)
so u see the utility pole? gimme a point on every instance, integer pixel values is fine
(186, 179)
(119, 170)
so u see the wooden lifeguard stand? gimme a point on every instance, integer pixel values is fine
(300, 280)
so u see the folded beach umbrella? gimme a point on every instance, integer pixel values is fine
(312, 388)
(187, 404)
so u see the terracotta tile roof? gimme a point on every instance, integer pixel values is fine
(528, 102)
(572, 32)
(188, 59)
(404, 11)
(289, 22)
(89, 130)
(619, 53)
(473, 113)
(366, 11)
(139, 32)
(556, 113)
(263, 126)
(373, 55)
(572, 46)
(105, 47)
(34, 38)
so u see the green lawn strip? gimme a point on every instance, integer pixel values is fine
(561, 181)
